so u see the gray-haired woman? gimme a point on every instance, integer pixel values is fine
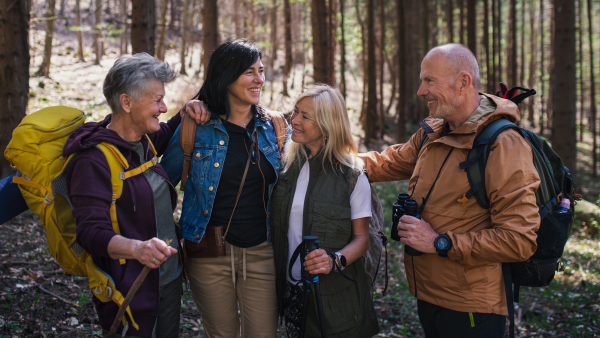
(134, 89)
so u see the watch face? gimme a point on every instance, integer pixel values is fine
(442, 243)
(343, 261)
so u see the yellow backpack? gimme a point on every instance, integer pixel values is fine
(36, 151)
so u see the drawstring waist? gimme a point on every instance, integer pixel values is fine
(232, 259)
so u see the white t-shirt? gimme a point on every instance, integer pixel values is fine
(360, 206)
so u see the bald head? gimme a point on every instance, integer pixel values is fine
(459, 59)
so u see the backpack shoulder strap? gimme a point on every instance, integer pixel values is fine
(477, 160)
(280, 126)
(187, 135)
(118, 164)
(422, 144)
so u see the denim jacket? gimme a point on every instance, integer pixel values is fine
(210, 148)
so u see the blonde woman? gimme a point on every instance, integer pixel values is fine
(322, 191)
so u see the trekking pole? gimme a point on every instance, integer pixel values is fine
(312, 243)
(136, 285)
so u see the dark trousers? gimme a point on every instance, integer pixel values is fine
(439, 322)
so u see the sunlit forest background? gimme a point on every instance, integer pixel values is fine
(57, 52)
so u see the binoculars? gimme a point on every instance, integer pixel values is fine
(404, 205)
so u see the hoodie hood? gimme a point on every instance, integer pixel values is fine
(91, 134)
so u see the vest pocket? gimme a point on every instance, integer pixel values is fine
(331, 223)
(342, 309)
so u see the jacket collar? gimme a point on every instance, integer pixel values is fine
(491, 108)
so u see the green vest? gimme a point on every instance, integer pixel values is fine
(349, 310)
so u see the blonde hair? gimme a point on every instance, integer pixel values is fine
(331, 116)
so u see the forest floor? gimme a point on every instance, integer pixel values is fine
(38, 300)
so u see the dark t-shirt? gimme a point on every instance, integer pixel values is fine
(249, 224)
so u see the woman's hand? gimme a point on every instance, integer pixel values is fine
(198, 111)
(151, 253)
(317, 261)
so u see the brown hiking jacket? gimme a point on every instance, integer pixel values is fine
(470, 278)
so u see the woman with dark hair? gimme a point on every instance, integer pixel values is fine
(234, 165)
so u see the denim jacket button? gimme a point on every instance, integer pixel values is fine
(210, 188)
(198, 154)
(221, 142)
(206, 212)
(216, 165)
(197, 236)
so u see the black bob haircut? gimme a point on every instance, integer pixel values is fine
(229, 61)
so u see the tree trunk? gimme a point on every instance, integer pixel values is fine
(45, 66)
(184, 32)
(274, 42)
(593, 109)
(14, 71)
(363, 37)
(580, 55)
(79, 35)
(342, 50)
(160, 49)
(97, 34)
(320, 43)
(461, 5)
(252, 23)
(533, 43)
(381, 66)
(494, 79)
(400, 111)
(143, 25)
(125, 35)
(522, 65)
(551, 84)
(565, 112)
(499, 41)
(236, 17)
(472, 26)
(210, 31)
(287, 17)
(542, 69)
(486, 45)
(331, 28)
(512, 44)
(450, 20)
(425, 15)
(371, 112)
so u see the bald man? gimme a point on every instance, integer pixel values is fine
(458, 277)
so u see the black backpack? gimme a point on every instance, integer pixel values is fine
(556, 183)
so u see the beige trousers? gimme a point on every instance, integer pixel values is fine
(244, 278)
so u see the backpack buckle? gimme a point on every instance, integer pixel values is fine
(122, 176)
(49, 198)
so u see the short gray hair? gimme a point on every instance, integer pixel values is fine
(130, 74)
(461, 59)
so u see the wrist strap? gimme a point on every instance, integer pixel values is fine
(337, 267)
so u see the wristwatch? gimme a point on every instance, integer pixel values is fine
(341, 259)
(442, 244)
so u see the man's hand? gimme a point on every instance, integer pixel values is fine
(153, 252)
(198, 111)
(417, 233)
(317, 261)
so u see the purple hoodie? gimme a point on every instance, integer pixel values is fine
(90, 191)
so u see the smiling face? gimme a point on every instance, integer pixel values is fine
(304, 127)
(245, 91)
(146, 110)
(438, 87)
